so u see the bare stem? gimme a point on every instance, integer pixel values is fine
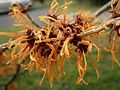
(92, 31)
(103, 8)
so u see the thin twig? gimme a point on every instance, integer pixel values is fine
(103, 8)
(20, 73)
(92, 31)
(3, 49)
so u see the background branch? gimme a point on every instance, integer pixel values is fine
(12, 79)
(104, 8)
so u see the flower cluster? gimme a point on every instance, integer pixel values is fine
(47, 48)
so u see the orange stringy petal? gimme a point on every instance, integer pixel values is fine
(113, 50)
(98, 49)
(95, 67)
(81, 68)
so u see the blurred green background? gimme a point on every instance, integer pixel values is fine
(109, 74)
